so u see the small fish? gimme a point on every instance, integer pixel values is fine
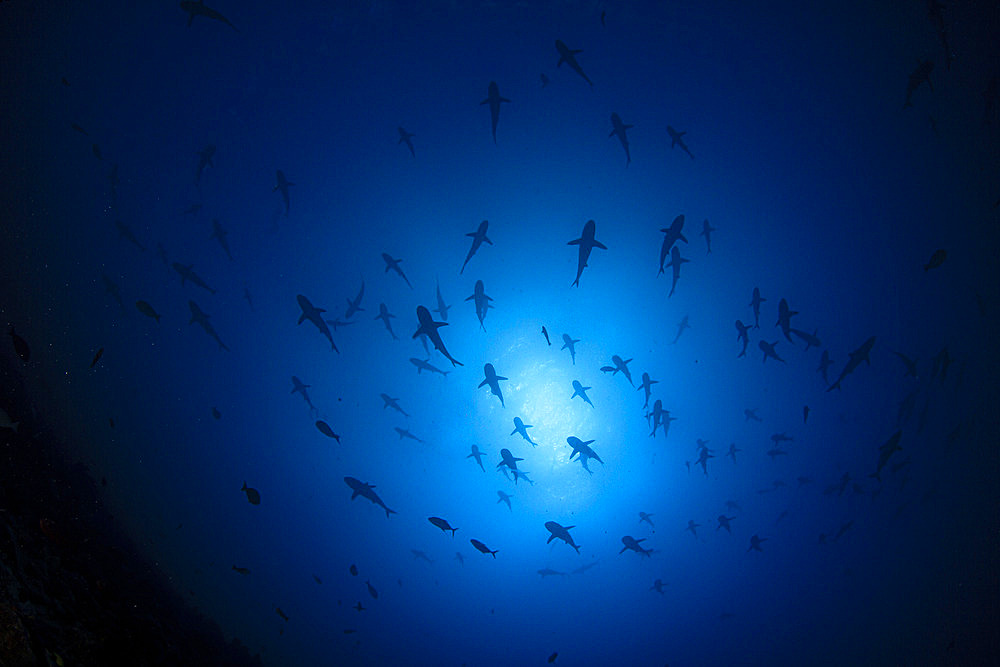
(937, 259)
(325, 429)
(96, 150)
(552, 658)
(359, 607)
(371, 590)
(281, 614)
(241, 570)
(252, 494)
(482, 548)
(216, 413)
(317, 579)
(545, 332)
(20, 345)
(147, 310)
(442, 524)
(80, 130)
(353, 570)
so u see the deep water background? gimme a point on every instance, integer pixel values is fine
(823, 190)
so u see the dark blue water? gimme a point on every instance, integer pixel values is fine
(822, 190)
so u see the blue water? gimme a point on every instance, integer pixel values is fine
(822, 188)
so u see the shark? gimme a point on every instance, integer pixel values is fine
(393, 264)
(632, 544)
(785, 319)
(885, 451)
(478, 455)
(481, 301)
(478, 238)
(706, 231)
(315, 315)
(188, 275)
(587, 243)
(298, 387)
(509, 461)
(428, 327)
(390, 402)
(570, 344)
(406, 138)
(647, 386)
(622, 365)
(354, 306)
(425, 366)
(675, 261)
(522, 428)
(199, 316)
(568, 56)
(768, 350)
(755, 302)
(219, 233)
(494, 99)
(282, 187)
(562, 533)
(619, 129)
(671, 235)
(442, 308)
(581, 391)
(856, 357)
(677, 139)
(583, 451)
(366, 490)
(493, 380)
(385, 316)
(205, 156)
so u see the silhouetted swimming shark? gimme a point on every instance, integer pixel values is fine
(619, 129)
(481, 301)
(429, 328)
(568, 56)
(859, 355)
(366, 490)
(587, 242)
(407, 138)
(581, 391)
(282, 186)
(677, 139)
(393, 264)
(478, 237)
(493, 380)
(494, 100)
(671, 235)
(199, 316)
(314, 315)
(561, 532)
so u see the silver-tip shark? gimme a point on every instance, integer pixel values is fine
(568, 56)
(494, 99)
(587, 242)
(478, 237)
(429, 328)
(493, 380)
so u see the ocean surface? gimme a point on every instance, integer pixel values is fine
(183, 185)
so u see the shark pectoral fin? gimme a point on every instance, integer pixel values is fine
(598, 244)
(482, 384)
(499, 377)
(487, 240)
(575, 242)
(551, 537)
(486, 101)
